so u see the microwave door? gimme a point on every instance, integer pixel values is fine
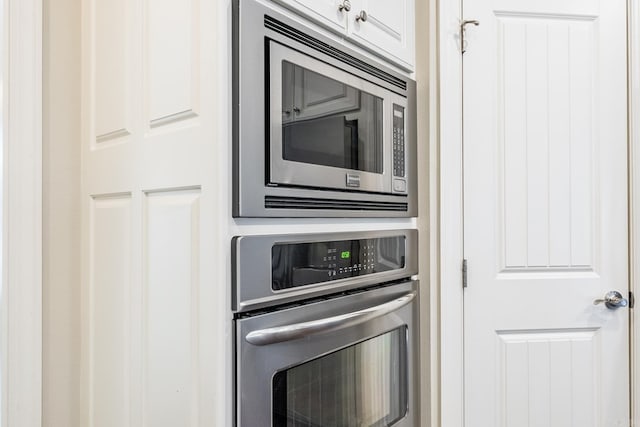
(328, 127)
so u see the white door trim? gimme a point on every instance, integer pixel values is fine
(22, 215)
(451, 329)
(634, 201)
(451, 216)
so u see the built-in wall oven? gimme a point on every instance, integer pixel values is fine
(326, 330)
(319, 130)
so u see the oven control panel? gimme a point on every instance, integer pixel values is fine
(299, 264)
(398, 141)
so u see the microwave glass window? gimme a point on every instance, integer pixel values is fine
(362, 385)
(326, 122)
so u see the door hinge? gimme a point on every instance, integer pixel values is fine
(632, 300)
(464, 273)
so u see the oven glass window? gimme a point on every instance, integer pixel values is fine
(326, 122)
(362, 385)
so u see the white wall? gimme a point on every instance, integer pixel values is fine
(61, 214)
(427, 179)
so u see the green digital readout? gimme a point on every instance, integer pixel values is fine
(345, 255)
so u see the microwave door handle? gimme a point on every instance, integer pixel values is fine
(329, 324)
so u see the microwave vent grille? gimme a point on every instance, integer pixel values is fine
(299, 36)
(276, 202)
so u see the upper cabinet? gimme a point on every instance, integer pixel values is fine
(384, 27)
(330, 13)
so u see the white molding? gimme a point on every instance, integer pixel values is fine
(633, 34)
(22, 215)
(434, 218)
(451, 217)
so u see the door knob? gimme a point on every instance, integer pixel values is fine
(613, 300)
(362, 16)
(346, 6)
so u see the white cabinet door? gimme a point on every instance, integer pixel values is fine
(152, 321)
(325, 12)
(386, 27)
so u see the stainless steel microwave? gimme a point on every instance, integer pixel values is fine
(319, 130)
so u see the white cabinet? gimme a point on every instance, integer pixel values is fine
(329, 13)
(384, 27)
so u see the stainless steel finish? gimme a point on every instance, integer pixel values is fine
(362, 16)
(258, 363)
(251, 183)
(295, 173)
(330, 324)
(251, 266)
(612, 300)
(346, 6)
(353, 180)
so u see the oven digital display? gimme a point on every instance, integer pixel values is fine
(299, 264)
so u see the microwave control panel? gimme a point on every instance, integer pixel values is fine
(300, 264)
(398, 141)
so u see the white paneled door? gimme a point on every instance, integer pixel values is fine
(545, 213)
(149, 293)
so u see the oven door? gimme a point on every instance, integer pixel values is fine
(346, 361)
(328, 128)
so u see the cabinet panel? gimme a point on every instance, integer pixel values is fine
(386, 27)
(109, 299)
(171, 288)
(326, 12)
(173, 61)
(112, 83)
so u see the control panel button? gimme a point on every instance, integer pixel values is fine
(399, 185)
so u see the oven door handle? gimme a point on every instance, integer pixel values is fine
(330, 324)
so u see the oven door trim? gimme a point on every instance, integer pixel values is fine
(286, 172)
(257, 364)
